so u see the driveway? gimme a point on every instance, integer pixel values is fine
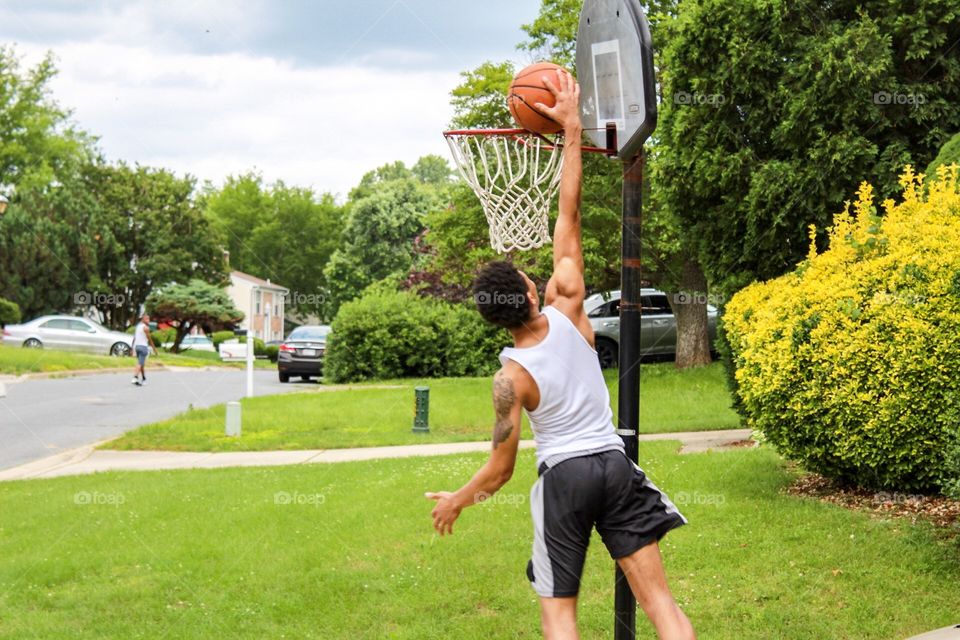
(39, 418)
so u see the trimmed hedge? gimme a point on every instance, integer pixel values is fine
(9, 312)
(398, 334)
(851, 364)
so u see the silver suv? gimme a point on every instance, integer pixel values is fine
(658, 326)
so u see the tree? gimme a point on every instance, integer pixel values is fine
(195, 304)
(772, 112)
(149, 231)
(38, 144)
(279, 232)
(46, 255)
(479, 102)
(433, 170)
(48, 246)
(378, 238)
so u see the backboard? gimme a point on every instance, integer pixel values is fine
(615, 71)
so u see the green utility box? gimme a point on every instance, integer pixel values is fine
(421, 415)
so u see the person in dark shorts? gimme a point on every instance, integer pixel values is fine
(552, 372)
(142, 345)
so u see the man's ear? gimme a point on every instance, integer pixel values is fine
(534, 302)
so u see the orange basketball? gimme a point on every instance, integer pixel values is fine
(526, 90)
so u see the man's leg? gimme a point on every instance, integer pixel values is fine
(644, 571)
(558, 616)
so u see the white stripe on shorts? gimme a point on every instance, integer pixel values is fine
(542, 569)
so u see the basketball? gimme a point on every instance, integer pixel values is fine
(526, 90)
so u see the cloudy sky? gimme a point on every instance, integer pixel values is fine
(315, 93)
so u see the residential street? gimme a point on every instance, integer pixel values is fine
(41, 417)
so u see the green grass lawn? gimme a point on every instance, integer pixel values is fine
(17, 360)
(346, 551)
(460, 410)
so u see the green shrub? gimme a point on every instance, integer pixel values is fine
(161, 336)
(221, 336)
(272, 352)
(951, 486)
(949, 154)
(259, 347)
(850, 363)
(390, 334)
(9, 312)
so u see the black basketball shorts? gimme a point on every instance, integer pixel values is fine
(605, 490)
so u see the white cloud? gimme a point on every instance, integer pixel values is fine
(218, 114)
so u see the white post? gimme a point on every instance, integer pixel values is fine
(249, 364)
(250, 342)
(233, 419)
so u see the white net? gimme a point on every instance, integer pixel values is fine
(515, 174)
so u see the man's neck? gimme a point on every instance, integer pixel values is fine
(531, 332)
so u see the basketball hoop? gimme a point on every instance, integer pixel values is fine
(515, 174)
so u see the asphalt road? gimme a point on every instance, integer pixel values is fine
(39, 418)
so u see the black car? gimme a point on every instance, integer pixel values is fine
(301, 354)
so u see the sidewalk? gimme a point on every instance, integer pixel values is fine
(88, 459)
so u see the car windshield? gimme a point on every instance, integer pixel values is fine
(309, 333)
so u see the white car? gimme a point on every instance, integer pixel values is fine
(194, 343)
(70, 333)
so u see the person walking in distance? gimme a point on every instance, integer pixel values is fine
(142, 345)
(552, 372)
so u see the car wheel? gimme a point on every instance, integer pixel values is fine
(305, 378)
(607, 354)
(284, 377)
(32, 343)
(121, 349)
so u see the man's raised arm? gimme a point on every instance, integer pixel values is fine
(567, 280)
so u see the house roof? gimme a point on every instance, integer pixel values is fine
(265, 284)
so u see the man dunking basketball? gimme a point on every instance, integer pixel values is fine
(552, 373)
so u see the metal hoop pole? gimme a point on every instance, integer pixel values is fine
(628, 405)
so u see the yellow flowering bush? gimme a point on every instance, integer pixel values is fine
(851, 363)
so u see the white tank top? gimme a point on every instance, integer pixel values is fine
(574, 414)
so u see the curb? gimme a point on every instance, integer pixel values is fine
(89, 459)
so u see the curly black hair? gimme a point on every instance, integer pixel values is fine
(500, 293)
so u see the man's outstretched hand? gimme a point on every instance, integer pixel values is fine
(566, 90)
(445, 513)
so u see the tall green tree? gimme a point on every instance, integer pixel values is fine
(39, 145)
(774, 111)
(149, 231)
(46, 255)
(48, 245)
(377, 240)
(283, 233)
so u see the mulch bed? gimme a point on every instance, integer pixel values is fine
(941, 511)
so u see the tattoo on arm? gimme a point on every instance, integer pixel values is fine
(504, 398)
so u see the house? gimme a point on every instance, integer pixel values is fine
(262, 303)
